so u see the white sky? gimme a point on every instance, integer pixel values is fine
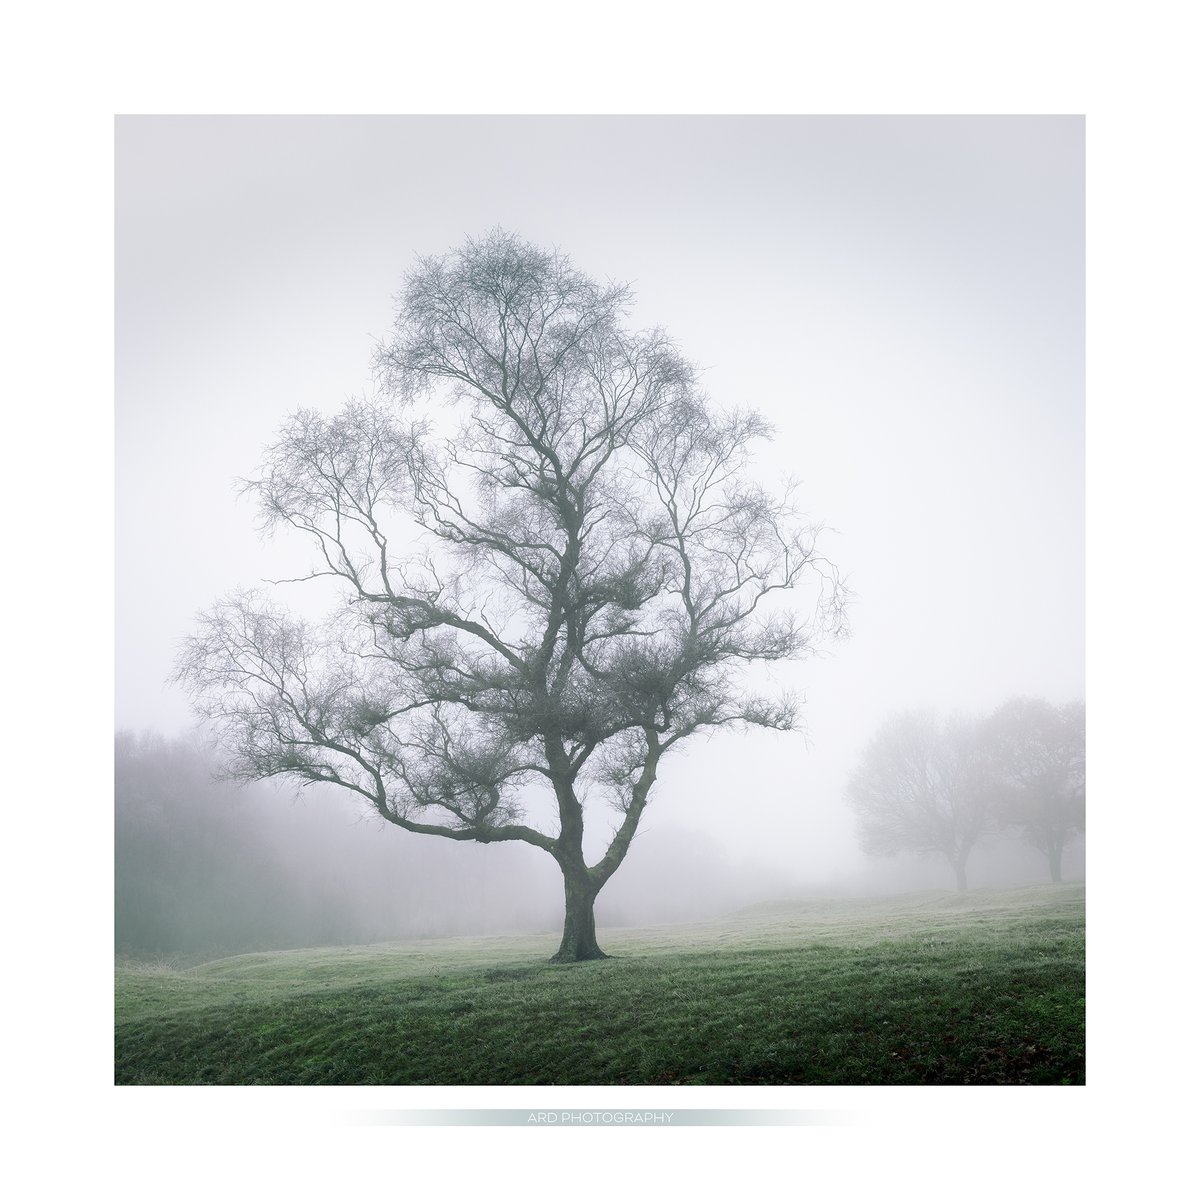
(902, 297)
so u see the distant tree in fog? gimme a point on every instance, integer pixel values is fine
(1038, 752)
(551, 595)
(926, 787)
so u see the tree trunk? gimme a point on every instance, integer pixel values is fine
(960, 875)
(579, 924)
(1055, 856)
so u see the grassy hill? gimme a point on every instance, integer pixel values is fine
(985, 988)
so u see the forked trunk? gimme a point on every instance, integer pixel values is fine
(579, 924)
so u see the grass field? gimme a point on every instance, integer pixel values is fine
(986, 988)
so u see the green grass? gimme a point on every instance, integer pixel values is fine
(933, 988)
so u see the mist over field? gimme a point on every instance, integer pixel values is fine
(206, 868)
(901, 298)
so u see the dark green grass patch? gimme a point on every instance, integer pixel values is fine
(987, 990)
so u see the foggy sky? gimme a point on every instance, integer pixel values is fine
(901, 297)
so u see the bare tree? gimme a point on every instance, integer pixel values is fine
(555, 572)
(1039, 752)
(926, 787)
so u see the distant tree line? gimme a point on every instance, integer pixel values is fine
(930, 786)
(193, 874)
(206, 867)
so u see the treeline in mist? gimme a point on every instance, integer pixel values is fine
(210, 867)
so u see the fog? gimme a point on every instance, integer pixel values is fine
(901, 297)
(206, 868)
